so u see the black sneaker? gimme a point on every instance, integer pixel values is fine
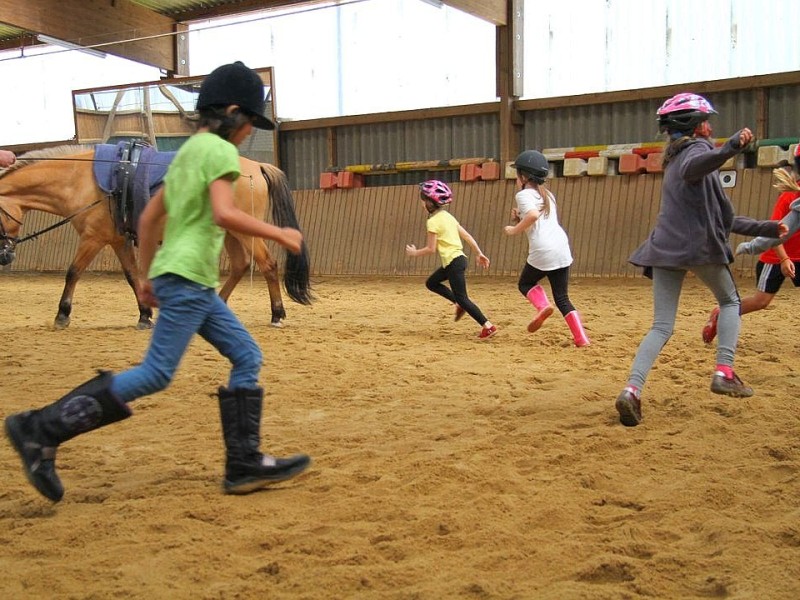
(629, 408)
(730, 387)
(250, 479)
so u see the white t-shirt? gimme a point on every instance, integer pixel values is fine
(548, 245)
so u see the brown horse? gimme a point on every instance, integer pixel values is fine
(60, 181)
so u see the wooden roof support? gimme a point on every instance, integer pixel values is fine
(494, 11)
(94, 22)
(509, 80)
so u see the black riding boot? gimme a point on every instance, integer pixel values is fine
(35, 434)
(246, 468)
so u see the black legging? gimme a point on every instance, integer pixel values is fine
(455, 273)
(559, 284)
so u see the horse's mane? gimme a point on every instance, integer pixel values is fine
(23, 160)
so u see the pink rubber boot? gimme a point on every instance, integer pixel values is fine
(573, 319)
(538, 298)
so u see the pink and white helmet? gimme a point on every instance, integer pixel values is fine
(684, 112)
(436, 191)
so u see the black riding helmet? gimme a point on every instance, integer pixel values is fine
(533, 164)
(236, 84)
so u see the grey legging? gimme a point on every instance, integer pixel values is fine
(667, 285)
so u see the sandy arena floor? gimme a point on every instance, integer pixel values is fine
(444, 467)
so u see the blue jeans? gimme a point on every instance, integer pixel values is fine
(186, 308)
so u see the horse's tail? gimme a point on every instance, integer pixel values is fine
(296, 272)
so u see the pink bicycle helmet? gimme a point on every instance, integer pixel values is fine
(436, 191)
(684, 112)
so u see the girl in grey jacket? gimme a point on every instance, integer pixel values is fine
(691, 234)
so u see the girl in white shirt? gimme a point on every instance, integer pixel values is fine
(548, 254)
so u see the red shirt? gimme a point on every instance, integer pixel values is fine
(792, 245)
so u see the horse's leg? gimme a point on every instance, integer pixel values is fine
(269, 268)
(239, 261)
(130, 269)
(87, 250)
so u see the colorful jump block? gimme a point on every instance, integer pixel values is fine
(575, 167)
(488, 171)
(599, 166)
(634, 163)
(342, 179)
(775, 156)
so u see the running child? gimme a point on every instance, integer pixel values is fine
(781, 256)
(549, 254)
(444, 236)
(691, 233)
(181, 277)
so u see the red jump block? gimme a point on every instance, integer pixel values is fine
(341, 179)
(632, 164)
(487, 171)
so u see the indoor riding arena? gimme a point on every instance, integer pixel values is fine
(444, 466)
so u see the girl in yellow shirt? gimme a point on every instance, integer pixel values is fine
(444, 236)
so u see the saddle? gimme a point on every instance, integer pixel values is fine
(129, 172)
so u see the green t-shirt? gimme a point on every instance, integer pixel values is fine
(192, 241)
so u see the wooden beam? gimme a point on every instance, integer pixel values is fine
(509, 82)
(420, 114)
(93, 22)
(494, 11)
(662, 92)
(198, 13)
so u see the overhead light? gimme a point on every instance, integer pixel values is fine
(46, 39)
(435, 3)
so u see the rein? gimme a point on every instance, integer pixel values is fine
(64, 221)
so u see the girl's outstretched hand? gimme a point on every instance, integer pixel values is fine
(483, 260)
(411, 250)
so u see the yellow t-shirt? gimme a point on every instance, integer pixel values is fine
(448, 242)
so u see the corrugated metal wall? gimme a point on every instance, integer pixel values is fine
(581, 123)
(364, 231)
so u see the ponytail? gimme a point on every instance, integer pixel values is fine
(785, 182)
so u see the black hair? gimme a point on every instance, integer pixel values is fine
(219, 121)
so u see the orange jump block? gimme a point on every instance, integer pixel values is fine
(634, 163)
(488, 171)
(341, 180)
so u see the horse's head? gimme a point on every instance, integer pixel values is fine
(9, 228)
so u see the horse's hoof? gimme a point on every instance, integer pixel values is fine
(142, 325)
(276, 324)
(61, 323)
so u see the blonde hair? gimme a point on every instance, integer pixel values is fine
(542, 190)
(785, 181)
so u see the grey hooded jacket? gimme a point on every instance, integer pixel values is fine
(696, 217)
